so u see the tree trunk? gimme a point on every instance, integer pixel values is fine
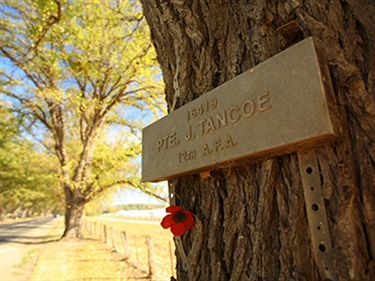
(251, 219)
(73, 213)
(23, 213)
(29, 212)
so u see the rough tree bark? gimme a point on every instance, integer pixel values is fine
(251, 219)
(74, 204)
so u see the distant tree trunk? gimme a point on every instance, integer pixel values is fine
(29, 212)
(73, 213)
(23, 213)
(251, 219)
(77, 194)
(15, 211)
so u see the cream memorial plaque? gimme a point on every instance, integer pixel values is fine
(274, 108)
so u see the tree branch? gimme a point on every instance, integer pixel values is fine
(132, 183)
(37, 111)
(51, 21)
(20, 66)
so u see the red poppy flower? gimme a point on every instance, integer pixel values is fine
(178, 220)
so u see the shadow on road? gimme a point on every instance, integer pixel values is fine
(26, 240)
(30, 232)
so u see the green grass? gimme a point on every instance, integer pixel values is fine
(30, 255)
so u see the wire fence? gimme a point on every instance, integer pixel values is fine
(137, 251)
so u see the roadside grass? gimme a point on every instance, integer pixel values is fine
(30, 259)
(27, 262)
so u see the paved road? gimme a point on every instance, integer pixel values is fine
(20, 243)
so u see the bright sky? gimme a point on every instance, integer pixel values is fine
(135, 197)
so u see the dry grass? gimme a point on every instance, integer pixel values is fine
(92, 259)
(82, 260)
(136, 231)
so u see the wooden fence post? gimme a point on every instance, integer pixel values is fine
(114, 240)
(125, 244)
(105, 233)
(150, 253)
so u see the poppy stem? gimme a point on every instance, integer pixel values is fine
(181, 252)
(177, 239)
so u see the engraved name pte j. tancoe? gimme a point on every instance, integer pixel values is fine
(277, 105)
(200, 123)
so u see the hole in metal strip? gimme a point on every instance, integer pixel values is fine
(309, 170)
(315, 207)
(322, 248)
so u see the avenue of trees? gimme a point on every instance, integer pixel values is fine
(79, 73)
(251, 221)
(28, 183)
